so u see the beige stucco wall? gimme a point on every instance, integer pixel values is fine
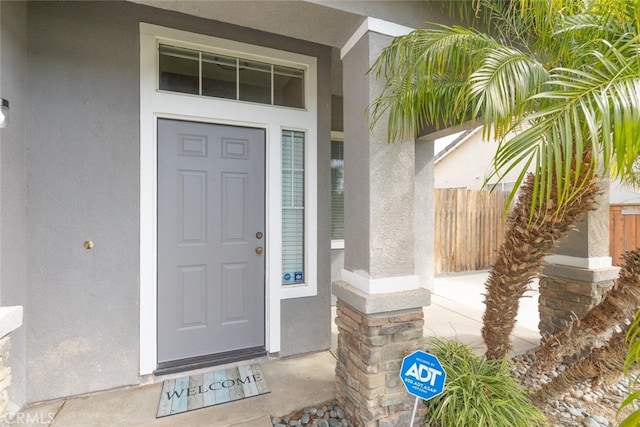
(468, 164)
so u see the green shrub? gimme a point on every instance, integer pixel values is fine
(478, 392)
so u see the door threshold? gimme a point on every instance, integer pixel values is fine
(200, 362)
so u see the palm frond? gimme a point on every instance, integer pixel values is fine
(594, 109)
(426, 75)
(501, 86)
(563, 76)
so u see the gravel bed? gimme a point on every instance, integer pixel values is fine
(328, 414)
(586, 405)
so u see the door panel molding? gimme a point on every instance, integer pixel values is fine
(211, 287)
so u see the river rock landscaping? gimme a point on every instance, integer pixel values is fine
(328, 414)
(586, 405)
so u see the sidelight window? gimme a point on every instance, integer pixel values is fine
(293, 203)
(337, 193)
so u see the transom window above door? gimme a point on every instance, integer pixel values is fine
(210, 74)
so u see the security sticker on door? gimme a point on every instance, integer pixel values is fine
(293, 278)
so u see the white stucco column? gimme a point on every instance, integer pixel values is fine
(379, 184)
(424, 211)
(380, 303)
(577, 275)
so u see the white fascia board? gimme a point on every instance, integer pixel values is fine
(375, 25)
(457, 145)
(580, 262)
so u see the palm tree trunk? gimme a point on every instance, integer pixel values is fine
(617, 308)
(529, 238)
(603, 364)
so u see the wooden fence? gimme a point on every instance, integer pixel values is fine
(468, 228)
(624, 230)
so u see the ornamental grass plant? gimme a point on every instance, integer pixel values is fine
(478, 392)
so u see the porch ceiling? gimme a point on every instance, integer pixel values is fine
(294, 18)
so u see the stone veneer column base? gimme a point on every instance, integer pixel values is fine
(568, 292)
(10, 320)
(375, 332)
(5, 376)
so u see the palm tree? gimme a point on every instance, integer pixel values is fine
(557, 84)
(603, 364)
(616, 309)
(600, 364)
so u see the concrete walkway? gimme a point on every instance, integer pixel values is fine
(455, 312)
(457, 306)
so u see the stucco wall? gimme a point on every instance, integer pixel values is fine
(357, 159)
(379, 176)
(624, 194)
(82, 315)
(424, 221)
(82, 312)
(337, 264)
(13, 182)
(414, 14)
(467, 165)
(591, 239)
(306, 322)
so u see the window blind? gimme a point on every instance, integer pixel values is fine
(293, 183)
(337, 190)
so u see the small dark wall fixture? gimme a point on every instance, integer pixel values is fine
(4, 113)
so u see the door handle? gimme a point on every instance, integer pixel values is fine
(259, 250)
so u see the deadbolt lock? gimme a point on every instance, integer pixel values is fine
(259, 235)
(259, 250)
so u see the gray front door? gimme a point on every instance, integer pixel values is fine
(211, 210)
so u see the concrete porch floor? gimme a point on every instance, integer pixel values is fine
(455, 312)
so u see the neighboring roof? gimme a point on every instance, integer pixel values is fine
(461, 139)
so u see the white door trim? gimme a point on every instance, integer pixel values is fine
(155, 104)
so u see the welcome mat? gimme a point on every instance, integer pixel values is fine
(211, 388)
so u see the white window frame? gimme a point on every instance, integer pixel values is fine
(228, 54)
(156, 104)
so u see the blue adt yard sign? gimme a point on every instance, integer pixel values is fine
(423, 375)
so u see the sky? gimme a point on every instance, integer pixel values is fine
(441, 143)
